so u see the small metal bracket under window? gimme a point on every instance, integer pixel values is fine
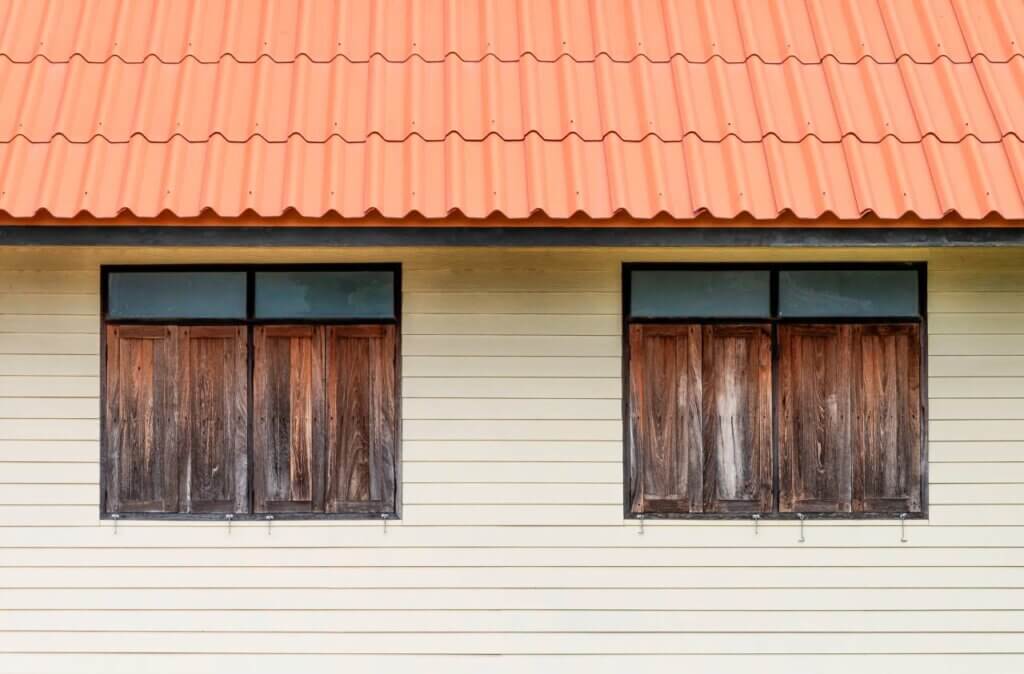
(384, 518)
(757, 521)
(802, 518)
(903, 527)
(270, 520)
(641, 532)
(230, 518)
(115, 517)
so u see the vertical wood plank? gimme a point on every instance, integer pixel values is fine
(142, 419)
(887, 423)
(361, 419)
(214, 404)
(737, 418)
(288, 429)
(666, 407)
(815, 434)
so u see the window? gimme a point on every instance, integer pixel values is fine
(778, 390)
(255, 392)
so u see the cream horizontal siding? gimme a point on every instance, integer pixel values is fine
(512, 541)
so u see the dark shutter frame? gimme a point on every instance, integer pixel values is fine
(845, 434)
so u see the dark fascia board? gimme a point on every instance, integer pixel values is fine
(709, 237)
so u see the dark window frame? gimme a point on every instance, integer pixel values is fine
(249, 322)
(774, 320)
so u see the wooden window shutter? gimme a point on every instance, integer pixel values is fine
(887, 422)
(665, 418)
(361, 419)
(737, 418)
(213, 381)
(815, 425)
(141, 419)
(288, 406)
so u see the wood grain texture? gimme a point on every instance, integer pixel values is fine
(887, 418)
(815, 418)
(361, 419)
(142, 419)
(737, 418)
(214, 412)
(288, 407)
(665, 418)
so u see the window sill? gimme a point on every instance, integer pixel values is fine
(768, 517)
(251, 517)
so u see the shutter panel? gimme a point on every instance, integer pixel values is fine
(737, 416)
(141, 419)
(214, 411)
(887, 422)
(815, 418)
(361, 419)
(288, 429)
(665, 425)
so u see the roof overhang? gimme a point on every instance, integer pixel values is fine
(211, 231)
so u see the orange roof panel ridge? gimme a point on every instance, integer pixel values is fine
(697, 30)
(513, 107)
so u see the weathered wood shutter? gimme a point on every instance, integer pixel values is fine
(665, 418)
(288, 429)
(815, 374)
(887, 421)
(213, 415)
(361, 418)
(141, 419)
(737, 418)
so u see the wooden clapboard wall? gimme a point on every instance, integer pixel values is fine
(513, 540)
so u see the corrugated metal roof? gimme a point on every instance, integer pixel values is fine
(518, 107)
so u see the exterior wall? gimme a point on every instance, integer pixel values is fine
(513, 541)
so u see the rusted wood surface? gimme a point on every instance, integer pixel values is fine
(141, 424)
(214, 388)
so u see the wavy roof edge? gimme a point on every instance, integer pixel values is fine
(373, 217)
(522, 56)
(494, 135)
(774, 29)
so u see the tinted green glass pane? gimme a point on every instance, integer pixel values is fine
(159, 295)
(700, 294)
(325, 294)
(853, 293)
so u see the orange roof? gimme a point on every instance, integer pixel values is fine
(597, 107)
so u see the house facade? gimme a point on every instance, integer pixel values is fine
(526, 337)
